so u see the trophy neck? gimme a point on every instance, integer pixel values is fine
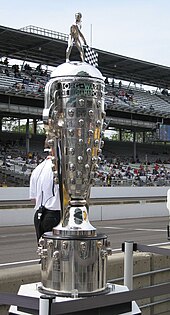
(77, 202)
(75, 222)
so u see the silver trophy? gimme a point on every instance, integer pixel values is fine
(73, 255)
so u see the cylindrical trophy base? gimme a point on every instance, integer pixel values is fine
(73, 264)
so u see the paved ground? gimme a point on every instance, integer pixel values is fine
(18, 244)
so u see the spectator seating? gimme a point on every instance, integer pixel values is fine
(137, 100)
(25, 83)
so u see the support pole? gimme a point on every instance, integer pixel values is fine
(27, 137)
(128, 265)
(45, 304)
(34, 126)
(91, 34)
(1, 123)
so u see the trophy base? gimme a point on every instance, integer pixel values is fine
(73, 263)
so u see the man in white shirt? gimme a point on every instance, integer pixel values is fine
(46, 196)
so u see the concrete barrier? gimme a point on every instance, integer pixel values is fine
(128, 210)
(22, 193)
(14, 193)
(11, 279)
(118, 192)
(144, 263)
(15, 217)
(24, 216)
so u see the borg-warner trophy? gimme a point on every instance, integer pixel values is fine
(73, 255)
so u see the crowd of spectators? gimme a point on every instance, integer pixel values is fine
(16, 165)
(27, 78)
(121, 173)
(125, 96)
(110, 173)
(119, 92)
(14, 160)
(32, 81)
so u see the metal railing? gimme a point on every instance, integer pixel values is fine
(34, 305)
(44, 32)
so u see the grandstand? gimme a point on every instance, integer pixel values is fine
(130, 107)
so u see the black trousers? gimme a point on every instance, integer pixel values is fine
(45, 220)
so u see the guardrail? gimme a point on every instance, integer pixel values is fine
(35, 305)
(44, 32)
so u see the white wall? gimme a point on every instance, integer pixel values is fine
(22, 193)
(14, 193)
(125, 211)
(15, 217)
(118, 192)
(24, 216)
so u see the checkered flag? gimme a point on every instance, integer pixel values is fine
(91, 56)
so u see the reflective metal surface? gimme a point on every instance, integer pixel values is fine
(76, 69)
(73, 256)
(74, 264)
(74, 112)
